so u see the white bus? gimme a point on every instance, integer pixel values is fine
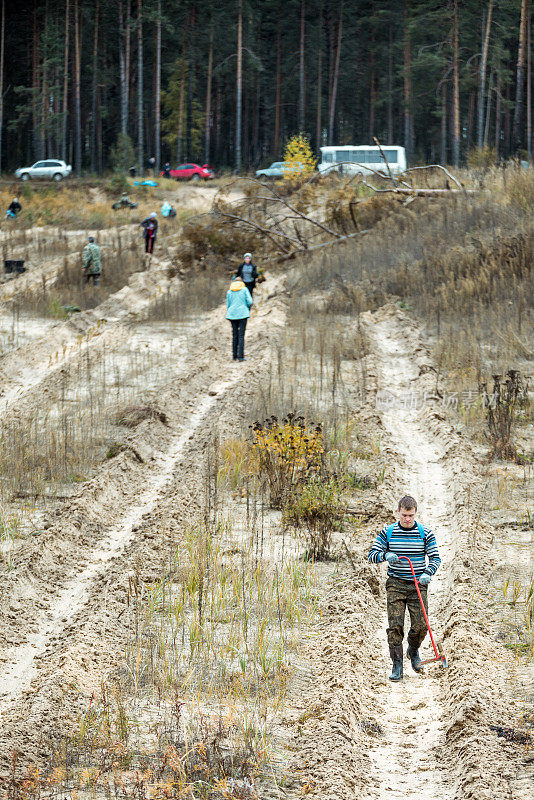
(362, 158)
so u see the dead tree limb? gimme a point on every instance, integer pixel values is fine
(271, 234)
(385, 160)
(282, 200)
(437, 166)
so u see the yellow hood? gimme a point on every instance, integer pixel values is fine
(236, 285)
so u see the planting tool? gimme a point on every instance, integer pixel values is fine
(439, 656)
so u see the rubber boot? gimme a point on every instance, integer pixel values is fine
(396, 656)
(413, 655)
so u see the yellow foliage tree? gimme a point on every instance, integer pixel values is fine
(298, 157)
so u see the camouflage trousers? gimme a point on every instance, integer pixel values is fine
(402, 594)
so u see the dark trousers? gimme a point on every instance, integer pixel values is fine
(238, 337)
(251, 285)
(149, 243)
(402, 595)
(95, 277)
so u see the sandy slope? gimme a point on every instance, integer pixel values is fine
(60, 610)
(429, 736)
(357, 736)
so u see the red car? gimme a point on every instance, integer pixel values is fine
(191, 172)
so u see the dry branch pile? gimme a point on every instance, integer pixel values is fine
(282, 219)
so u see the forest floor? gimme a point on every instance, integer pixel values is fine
(93, 545)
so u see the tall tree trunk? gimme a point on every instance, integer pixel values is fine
(407, 76)
(207, 136)
(140, 151)
(529, 88)
(444, 122)
(127, 62)
(77, 97)
(180, 133)
(516, 126)
(217, 120)
(44, 88)
(470, 119)
(65, 84)
(278, 97)
(157, 110)
(335, 79)
(257, 106)
(455, 88)
(507, 120)
(498, 117)
(302, 93)
(190, 86)
(318, 120)
(94, 88)
(239, 86)
(372, 88)
(36, 128)
(2, 41)
(482, 73)
(122, 69)
(390, 87)
(488, 111)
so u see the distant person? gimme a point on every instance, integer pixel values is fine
(92, 262)
(132, 171)
(167, 210)
(150, 225)
(409, 539)
(248, 273)
(151, 166)
(238, 303)
(167, 170)
(14, 208)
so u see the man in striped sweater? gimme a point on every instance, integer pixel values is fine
(406, 538)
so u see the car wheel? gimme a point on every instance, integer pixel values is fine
(58, 177)
(25, 176)
(195, 178)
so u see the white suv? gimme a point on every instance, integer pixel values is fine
(54, 170)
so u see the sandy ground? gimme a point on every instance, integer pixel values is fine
(430, 735)
(350, 733)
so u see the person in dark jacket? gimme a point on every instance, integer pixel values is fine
(150, 225)
(248, 273)
(167, 170)
(14, 208)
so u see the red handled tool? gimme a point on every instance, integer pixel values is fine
(439, 656)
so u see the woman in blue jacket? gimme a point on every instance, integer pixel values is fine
(238, 303)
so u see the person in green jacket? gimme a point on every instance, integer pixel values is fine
(92, 261)
(238, 303)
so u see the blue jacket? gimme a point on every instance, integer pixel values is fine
(407, 542)
(238, 301)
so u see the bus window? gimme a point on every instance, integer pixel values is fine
(392, 156)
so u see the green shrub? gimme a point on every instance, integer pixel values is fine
(315, 508)
(118, 183)
(122, 154)
(289, 452)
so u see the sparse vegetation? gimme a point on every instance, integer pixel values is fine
(314, 509)
(289, 451)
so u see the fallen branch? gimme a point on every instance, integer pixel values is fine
(271, 234)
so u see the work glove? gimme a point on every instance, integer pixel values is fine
(424, 580)
(392, 558)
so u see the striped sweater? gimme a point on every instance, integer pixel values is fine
(407, 542)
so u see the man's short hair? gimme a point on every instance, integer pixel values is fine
(90, 238)
(407, 503)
